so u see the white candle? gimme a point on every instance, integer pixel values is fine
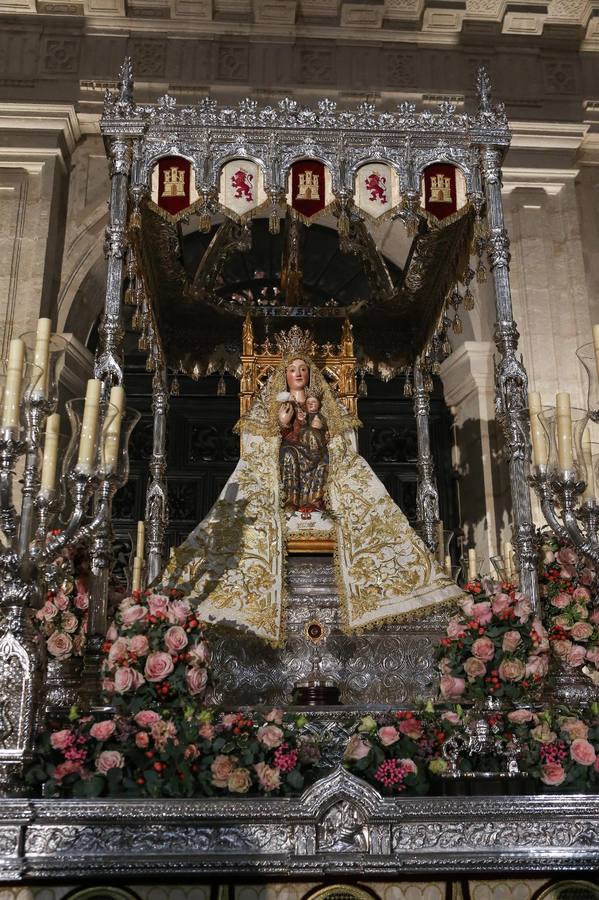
(14, 377)
(50, 458)
(472, 569)
(587, 455)
(89, 426)
(141, 534)
(112, 434)
(507, 559)
(41, 355)
(564, 431)
(448, 565)
(439, 539)
(136, 578)
(537, 433)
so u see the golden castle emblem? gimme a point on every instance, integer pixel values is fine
(173, 184)
(308, 186)
(440, 189)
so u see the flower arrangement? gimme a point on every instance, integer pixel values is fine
(157, 655)
(63, 617)
(565, 581)
(391, 752)
(494, 646)
(152, 754)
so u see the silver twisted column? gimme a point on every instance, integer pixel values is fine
(427, 497)
(511, 380)
(156, 497)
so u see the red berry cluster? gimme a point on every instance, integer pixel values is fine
(391, 773)
(285, 759)
(553, 753)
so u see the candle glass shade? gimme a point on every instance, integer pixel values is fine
(115, 459)
(80, 432)
(588, 360)
(549, 422)
(16, 415)
(40, 382)
(541, 444)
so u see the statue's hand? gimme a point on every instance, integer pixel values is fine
(285, 413)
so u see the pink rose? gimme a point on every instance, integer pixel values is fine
(119, 652)
(455, 628)
(543, 638)
(60, 740)
(239, 781)
(139, 645)
(158, 666)
(275, 715)
(61, 601)
(522, 610)
(142, 739)
(444, 666)
(191, 751)
(467, 605)
(581, 595)
(112, 634)
(561, 600)
(587, 576)
(520, 716)
(196, 680)
(537, 665)
(82, 601)
(474, 667)
(108, 685)
(59, 645)
(511, 670)
(548, 556)
(101, 731)
(552, 774)
(581, 631)
(561, 648)
(70, 622)
(221, 768)
(47, 612)
(582, 752)
(356, 748)
(270, 735)
(388, 735)
(481, 612)
(595, 617)
(511, 639)
(175, 639)
(207, 731)
(127, 679)
(109, 759)
(228, 720)
(133, 614)
(567, 556)
(409, 765)
(576, 655)
(567, 572)
(269, 777)
(483, 648)
(593, 655)
(146, 717)
(157, 604)
(178, 612)
(574, 728)
(500, 603)
(201, 653)
(452, 688)
(450, 717)
(411, 727)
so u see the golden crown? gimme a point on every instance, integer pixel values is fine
(295, 343)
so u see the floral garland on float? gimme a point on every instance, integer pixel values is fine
(62, 620)
(493, 647)
(566, 581)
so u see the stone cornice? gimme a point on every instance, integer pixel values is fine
(58, 120)
(468, 369)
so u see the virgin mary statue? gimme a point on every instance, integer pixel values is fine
(299, 468)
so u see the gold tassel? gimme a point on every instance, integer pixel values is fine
(274, 223)
(221, 387)
(175, 387)
(457, 325)
(136, 320)
(446, 348)
(468, 300)
(135, 219)
(428, 383)
(150, 363)
(436, 368)
(128, 299)
(408, 391)
(480, 228)
(481, 273)
(362, 387)
(143, 342)
(205, 221)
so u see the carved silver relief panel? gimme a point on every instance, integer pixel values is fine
(393, 665)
